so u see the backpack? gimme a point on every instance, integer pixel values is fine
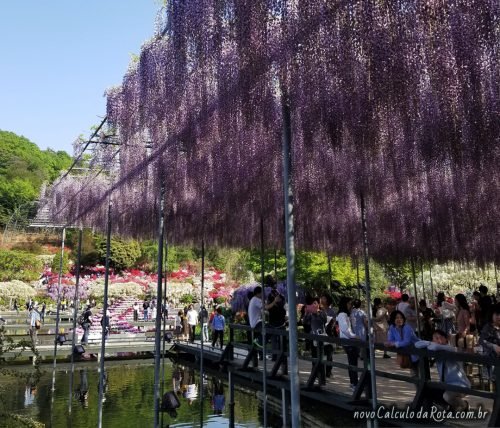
(81, 319)
(332, 328)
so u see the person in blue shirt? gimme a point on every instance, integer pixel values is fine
(450, 372)
(218, 324)
(401, 335)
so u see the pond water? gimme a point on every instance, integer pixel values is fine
(128, 398)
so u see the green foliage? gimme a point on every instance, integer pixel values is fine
(56, 263)
(23, 169)
(29, 247)
(19, 265)
(90, 256)
(187, 299)
(176, 256)
(399, 274)
(123, 253)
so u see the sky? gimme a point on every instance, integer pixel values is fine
(58, 57)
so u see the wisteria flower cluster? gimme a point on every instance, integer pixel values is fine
(395, 102)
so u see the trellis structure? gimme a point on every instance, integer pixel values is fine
(393, 103)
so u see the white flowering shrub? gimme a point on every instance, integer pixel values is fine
(16, 289)
(122, 289)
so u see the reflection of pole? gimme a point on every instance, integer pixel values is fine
(369, 311)
(201, 322)
(165, 270)
(76, 304)
(231, 399)
(415, 292)
(104, 320)
(58, 303)
(264, 368)
(423, 283)
(432, 286)
(159, 284)
(290, 264)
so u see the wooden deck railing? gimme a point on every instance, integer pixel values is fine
(426, 388)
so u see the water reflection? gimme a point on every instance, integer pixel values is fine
(82, 392)
(129, 398)
(218, 398)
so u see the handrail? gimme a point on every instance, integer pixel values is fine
(423, 380)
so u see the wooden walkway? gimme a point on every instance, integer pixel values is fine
(336, 390)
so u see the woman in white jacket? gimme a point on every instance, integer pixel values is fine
(345, 332)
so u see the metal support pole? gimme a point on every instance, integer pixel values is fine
(371, 341)
(264, 339)
(432, 285)
(104, 314)
(58, 305)
(276, 266)
(290, 264)
(496, 279)
(423, 283)
(357, 278)
(159, 284)
(329, 259)
(76, 304)
(415, 292)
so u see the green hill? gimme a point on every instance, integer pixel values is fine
(23, 169)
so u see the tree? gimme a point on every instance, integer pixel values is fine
(123, 253)
(23, 170)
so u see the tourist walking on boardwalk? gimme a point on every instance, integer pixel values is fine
(463, 318)
(179, 325)
(446, 313)
(325, 303)
(219, 323)
(490, 334)
(145, 307)
(401, 306)
(42, 312)
(401, 335)
(86, 322)
(277, 316)
(192, 319)
(204, 323)
(411, 313)
(345, 332)
(16, 306)
(380, 322)
(34, 324)
(136, 311)
(255, 312)
(359, 320)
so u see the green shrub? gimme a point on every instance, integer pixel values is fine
(19, 265)
(29, 247)
(57, 262)
(187, 299)
(123, 254)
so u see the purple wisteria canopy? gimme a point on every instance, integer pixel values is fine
(395, 100)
